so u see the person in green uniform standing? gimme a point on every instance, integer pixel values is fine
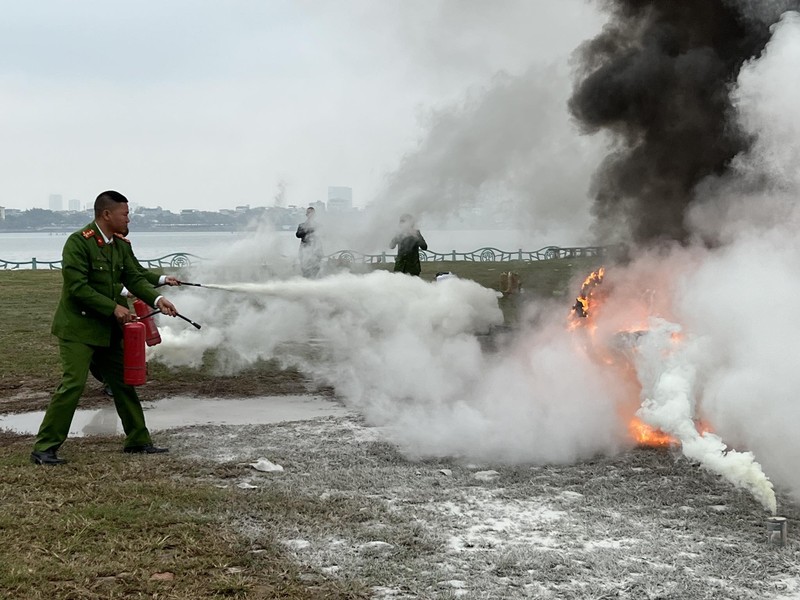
(409, 242)
(97, 262)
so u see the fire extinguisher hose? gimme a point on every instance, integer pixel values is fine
(157, 311)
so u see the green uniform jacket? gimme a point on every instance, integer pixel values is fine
(94, 273)
(152, 278)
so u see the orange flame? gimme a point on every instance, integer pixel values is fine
(584, 303)
(644, 435)
(582, 315)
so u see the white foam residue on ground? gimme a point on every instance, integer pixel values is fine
(483, 521)
(790, 588)
(607, 544)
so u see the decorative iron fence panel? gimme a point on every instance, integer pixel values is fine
(488, 254)
(178, 259)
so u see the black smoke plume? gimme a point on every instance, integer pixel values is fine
(658, 79)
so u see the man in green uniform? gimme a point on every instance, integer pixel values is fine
(96, 262)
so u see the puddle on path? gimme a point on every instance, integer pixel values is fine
(181, 411)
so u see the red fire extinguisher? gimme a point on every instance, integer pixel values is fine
(152, 336)
(133, 359)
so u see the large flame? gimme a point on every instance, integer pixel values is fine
(654, 363)
(586, 306)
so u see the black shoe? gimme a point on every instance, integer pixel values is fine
(46, 457)
(107, 391)
(146, 449)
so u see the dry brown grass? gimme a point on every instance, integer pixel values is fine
(110, 525)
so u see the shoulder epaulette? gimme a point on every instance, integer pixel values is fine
(90, 233)
(119, 236)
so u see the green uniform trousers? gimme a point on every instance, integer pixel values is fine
(75, 360)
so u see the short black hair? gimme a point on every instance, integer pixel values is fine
(106, 201)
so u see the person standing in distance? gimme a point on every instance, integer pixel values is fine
(310, 245)
(409, 242)
(96, 262)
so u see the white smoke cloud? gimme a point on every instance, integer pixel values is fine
(743, 294)
(506, 146)
(742, 298)
(407, 354)
(760, 191)
(544, 400)
(511, 147)
(667, 367)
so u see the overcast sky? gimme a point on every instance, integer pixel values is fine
(201, 104)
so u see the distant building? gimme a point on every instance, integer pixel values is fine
(74, 204)
(149, 212)
(2, 213)
(340, 199)
(56, 202)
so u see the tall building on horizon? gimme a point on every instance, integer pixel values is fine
(74, 204)
(56, 202)
(340, 199)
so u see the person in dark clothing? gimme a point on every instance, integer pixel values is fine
(409, 242)
(310, 246)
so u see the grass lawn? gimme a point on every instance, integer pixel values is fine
(110, 525)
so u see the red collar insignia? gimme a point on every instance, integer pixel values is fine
(119, 236)
(91, 233)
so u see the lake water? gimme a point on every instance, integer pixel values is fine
(22, 247)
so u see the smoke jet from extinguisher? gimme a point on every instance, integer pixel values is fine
(658, 80)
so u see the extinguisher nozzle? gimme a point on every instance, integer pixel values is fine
(196, 325)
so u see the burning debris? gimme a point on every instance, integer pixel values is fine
(659, 358)
(584, 299)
